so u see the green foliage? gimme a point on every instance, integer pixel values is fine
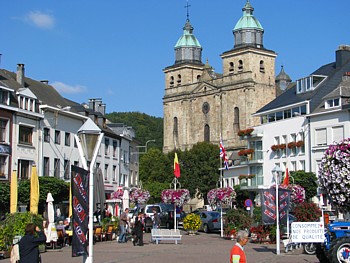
(242, 195)
(14, 225)
(145, 126)
(199, 168)
(307, 212)
(192, 222)
(113, 220)
(4, 197)
(237, 219)
(306, 180)
(257, 216)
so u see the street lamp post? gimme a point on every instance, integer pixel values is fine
(276, 171)
(89, 138)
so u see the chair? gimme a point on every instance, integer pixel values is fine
(98, 233)
(61, 238)
(109, 232)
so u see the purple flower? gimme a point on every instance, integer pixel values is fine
(179, 196)
(333, 174)
(218, 196)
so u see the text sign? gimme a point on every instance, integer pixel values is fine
(307, 232)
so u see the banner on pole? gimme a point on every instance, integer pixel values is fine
(268, 205)
(80, 209)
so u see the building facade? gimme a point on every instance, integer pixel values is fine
(200, 104)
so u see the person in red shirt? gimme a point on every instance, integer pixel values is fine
(237, 254)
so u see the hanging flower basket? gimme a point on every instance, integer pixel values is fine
(246, 132)
(179, 196)
(274, 147)
(139, 196)
(292, 145)
(245, 152)
(282, 146)
(299, 144)
(334, 174)
(117, 194)
(219, 196)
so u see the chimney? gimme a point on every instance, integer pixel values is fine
(342, 55)
(20, 74)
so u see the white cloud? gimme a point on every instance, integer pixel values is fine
(41, 20)
(64, 88)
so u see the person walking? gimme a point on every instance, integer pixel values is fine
(237, 254)
(138, 230)
(156, 220)
(29, 244)
(122, 226)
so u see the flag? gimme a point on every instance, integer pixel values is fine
(176, 167)
(286, 178)
(223, 154)
(34, 191)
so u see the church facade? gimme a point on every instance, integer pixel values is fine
(202, 105)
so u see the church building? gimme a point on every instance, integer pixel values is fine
(200, 104)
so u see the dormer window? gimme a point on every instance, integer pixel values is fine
(4, 97)
(332, 103)
(309, 83)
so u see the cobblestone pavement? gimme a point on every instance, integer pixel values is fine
(199, 248)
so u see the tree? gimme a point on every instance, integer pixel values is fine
(155, 172)
(307, 180)
(57, 187)
(4, 197)
(200, 169)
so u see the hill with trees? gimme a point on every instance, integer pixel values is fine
(146, 127)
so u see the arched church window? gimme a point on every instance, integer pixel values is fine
(179, 79)
(206, 133)
(171, 82)
(262, 66)
(175, 129)
(231, 68)
(236, 127)
(198, 78)
(240, 65)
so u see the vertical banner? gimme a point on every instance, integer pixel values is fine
(268, 205)
(80, 209)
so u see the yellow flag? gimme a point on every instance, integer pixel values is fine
(34, 191)
(13, 194)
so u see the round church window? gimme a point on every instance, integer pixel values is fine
(205, 107)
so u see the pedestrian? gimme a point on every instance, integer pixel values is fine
(122, 226)
(29, 244)
(138, 230)
(237, 254)
(155, 220)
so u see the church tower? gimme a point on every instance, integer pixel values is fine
(200, 104)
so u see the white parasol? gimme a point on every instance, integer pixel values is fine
(126, 199)
(51, 233)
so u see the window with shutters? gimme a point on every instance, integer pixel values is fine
(321, 136)
(337, 133)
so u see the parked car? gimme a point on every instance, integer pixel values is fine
(166, 214)
(210, 221)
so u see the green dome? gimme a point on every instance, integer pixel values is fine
(248, 20)
(187, 39)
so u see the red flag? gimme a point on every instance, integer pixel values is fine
(176, 167)
(286, 178)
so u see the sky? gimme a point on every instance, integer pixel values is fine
(116, 50)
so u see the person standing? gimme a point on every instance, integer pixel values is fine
(29, 244)
(138, 230)
(237, 254)
(122, 226)
(156, 220)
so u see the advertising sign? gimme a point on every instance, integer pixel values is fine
(80, 208)
(307, 232)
